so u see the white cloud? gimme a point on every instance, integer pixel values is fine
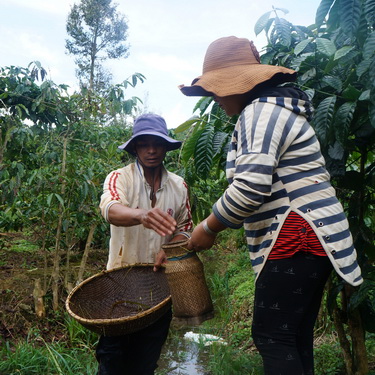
(51, 6)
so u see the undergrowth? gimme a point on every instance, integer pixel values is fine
(231, 283)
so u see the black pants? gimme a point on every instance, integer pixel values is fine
(133, 354)
(287, 300)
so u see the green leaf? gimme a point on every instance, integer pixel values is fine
(187, 124)
(369, 10)
(334, 82)
(323, 118)
(336, 151)
(322, 11)
(343, 119)
(369, 46)
(325, 46)
(204, 152)
(342, 52)
(365, 95)
(372, 112)
(283, 31)
(351, 93)
(189, 146)
(363, 67)
(310, 93)
(261, 23)
(267, 57)
(59, 198)
(49, 199)
(220, 140)
(298, 62)
(284, 10)
(350, 16)
(301, 46)
(308, 75)
(203, 104)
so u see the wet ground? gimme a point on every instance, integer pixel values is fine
(182, 356)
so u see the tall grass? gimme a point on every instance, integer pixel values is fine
(34, 356)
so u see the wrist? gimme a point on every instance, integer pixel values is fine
(208, 230)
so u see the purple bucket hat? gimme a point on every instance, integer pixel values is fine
(150, 124)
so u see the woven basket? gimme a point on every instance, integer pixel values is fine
(120, 301)
(191, 299)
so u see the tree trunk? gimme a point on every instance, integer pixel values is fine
(86, 253)
(4, 139)
(354, 351)
(56, 260)
(38, 295)
(357, 333)
(344, 342)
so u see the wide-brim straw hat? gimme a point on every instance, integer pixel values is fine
(232, 66)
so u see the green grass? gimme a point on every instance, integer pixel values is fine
(23, 246)
(34, 356)
(231, 283)
(29, 358)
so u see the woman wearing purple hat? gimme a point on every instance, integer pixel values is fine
(280, 192)
(146, 206)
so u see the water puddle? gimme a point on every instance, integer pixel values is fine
(181, 356)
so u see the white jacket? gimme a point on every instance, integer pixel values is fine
(137, 244)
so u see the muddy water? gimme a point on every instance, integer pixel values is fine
(181, 356)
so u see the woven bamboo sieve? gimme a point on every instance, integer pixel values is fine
(191, 298)
(120, 301)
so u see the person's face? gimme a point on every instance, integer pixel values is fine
(150, 150)
(232, 104)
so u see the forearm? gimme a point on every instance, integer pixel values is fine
(124, 216)
(214, 224)
(155, 219)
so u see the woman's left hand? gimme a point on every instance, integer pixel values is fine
(200, 240)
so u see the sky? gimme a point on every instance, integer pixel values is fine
(167, 39)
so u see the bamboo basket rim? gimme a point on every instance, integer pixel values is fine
(171, 245)
(112, 321)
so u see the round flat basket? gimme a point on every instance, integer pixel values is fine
(120, 301)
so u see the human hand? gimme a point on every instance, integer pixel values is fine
(200, 239)
(161, 258)
(159, 221)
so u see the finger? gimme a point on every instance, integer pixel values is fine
(162, 226)
(161, 215)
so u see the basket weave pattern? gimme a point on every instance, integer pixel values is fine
(187, 283)
(120, 301)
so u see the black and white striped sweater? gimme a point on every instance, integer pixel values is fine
(274, 166)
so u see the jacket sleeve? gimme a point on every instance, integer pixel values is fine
(184, 219)
(113, 192)
(252, 158)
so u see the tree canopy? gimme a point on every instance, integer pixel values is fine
(97, 32)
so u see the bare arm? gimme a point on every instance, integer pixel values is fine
(154, 219)
(200, 239)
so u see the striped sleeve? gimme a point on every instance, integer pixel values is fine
(261, 132)
(113, 192)
(184, 219)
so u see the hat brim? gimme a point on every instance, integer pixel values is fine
(237, 79)
(128, 146)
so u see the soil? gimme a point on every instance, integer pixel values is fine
(18, 271)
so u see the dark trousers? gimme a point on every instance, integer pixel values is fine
(133, 354)
(287, 300)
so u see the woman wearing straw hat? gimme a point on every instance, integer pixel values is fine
(280, 191)
(147, 206)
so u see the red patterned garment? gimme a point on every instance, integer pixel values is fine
(296, 235)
